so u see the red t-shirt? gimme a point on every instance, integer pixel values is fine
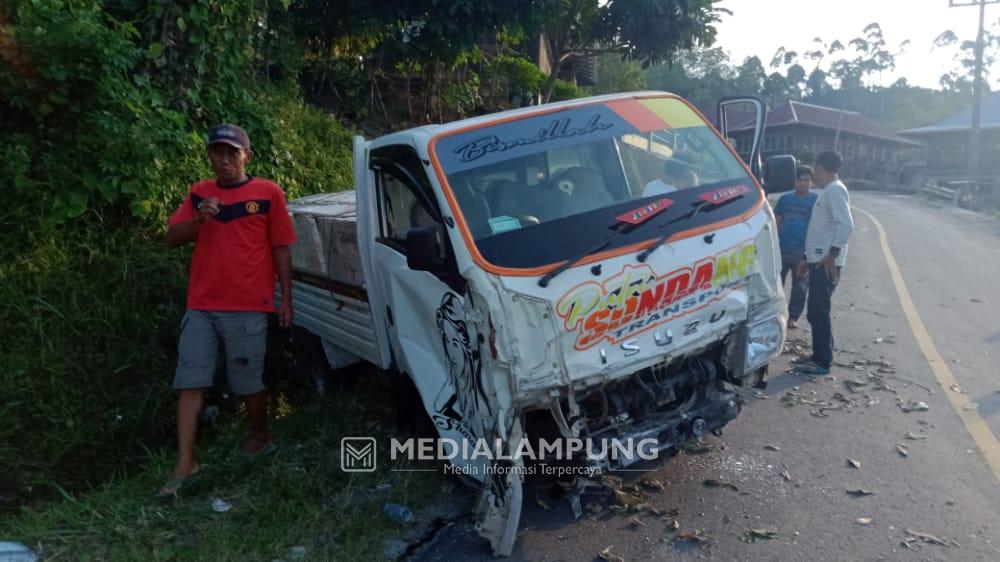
(233, 267)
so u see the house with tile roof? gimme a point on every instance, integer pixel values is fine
(871, 152)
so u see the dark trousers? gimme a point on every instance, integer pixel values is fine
(820, 293)
(799, 288)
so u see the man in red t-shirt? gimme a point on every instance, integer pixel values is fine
(241, 231)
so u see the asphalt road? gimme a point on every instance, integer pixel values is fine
(945, 488)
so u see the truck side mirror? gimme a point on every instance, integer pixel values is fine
(779, 174)
(423, 250)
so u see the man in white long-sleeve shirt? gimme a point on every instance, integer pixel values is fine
(826, 249)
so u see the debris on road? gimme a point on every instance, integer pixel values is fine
(635, 521)
(754, 535)
(914, 437)
(697, 536)
(220, 506)
(674, 525)
(959, 389)
(863, 520)
(925, 537)
(854, 463)
(913, 406)
(652, 483)
(712, 483)
(971, 406)
(772, 447)
(903, 450)
(855, 385)
(609, 556)
(860, 492)
(786, 475)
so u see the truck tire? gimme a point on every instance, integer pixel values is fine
(312, 371)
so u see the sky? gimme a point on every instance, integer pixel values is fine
(760, 27)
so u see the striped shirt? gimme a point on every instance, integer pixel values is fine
(831, 223)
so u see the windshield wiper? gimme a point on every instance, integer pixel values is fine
(698, 206)
(569, 263)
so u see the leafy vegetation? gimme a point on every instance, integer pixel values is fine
(103, 116)
(297, 499)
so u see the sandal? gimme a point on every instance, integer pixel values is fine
(174, 485)
(266, 450)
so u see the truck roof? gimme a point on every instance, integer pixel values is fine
(436, 129)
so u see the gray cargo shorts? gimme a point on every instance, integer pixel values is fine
(242, 334)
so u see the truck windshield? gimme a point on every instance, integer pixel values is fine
(537, 190)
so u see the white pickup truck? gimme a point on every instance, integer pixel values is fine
(603, 267)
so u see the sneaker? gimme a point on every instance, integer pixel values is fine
(792, 324)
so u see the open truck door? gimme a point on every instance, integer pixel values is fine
(422, 308)
(778, 174)
(434, 331)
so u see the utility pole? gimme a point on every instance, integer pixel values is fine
(977, 85)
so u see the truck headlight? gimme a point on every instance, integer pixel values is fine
(763, 342)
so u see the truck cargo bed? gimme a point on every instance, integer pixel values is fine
(328, 286)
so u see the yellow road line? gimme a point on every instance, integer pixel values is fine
(974, 423)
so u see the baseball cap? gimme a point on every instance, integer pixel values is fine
(232, 135)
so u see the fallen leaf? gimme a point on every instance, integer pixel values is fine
(853, 463)
(772, 447)
(754, 535)
(609, 556)
(859, 492)
(903, 450)
(637, 522)
(541, 503)
(712, 483)
(959, 389)
(927, 538)
(863, 520)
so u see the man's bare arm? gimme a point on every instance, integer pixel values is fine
(183, 233)
(283, 269)
(187, 232)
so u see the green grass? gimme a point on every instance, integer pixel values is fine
(297, 497)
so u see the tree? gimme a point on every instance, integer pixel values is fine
(615, 74)
(750, 77)
(648, 31)
(960, 78)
